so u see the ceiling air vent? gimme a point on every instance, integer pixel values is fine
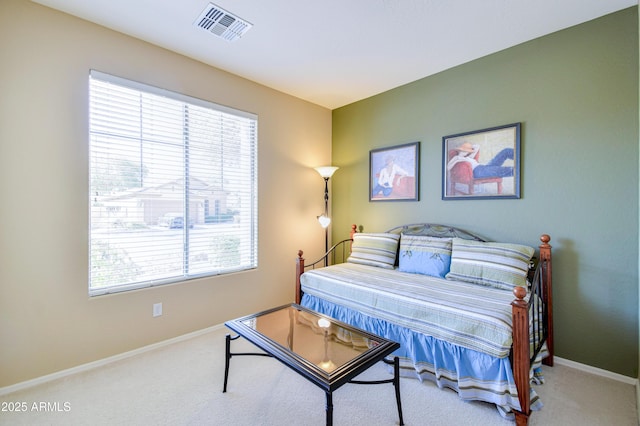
(221, 23)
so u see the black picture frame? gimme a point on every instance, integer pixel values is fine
(482, 164)
(394, 173)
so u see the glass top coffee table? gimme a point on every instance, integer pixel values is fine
(327, 352)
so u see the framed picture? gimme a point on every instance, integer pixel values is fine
(482, 164)
(394, 173)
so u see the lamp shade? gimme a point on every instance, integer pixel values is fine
(326, 171)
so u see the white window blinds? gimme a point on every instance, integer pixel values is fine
(173, 187)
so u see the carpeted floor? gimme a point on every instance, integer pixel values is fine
(181, 384)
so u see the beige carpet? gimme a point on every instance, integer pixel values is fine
(181, 384)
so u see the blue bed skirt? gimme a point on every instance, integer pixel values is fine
(472, 374)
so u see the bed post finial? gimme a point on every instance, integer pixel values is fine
(519, 292)
(545, 238)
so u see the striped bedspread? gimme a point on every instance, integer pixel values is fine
(469, 315)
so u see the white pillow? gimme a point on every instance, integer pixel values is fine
(374, 249)
(500, 265)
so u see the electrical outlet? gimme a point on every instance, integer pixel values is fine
(157, 309)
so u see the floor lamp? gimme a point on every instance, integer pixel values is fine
(326, 172)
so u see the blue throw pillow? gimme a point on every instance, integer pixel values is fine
(420, 254)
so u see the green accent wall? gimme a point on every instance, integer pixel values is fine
(576, 94)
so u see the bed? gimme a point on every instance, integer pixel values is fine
(472, 315)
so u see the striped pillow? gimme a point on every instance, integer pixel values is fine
(374, 249)
(499, 265)
(420, 254)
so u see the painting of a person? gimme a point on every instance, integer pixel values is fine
(494, 168)
(387, 176)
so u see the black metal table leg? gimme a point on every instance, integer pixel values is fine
(396, 384)
(329, 409)
(228, 355)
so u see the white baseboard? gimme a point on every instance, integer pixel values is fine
(638, 397)
(597, 371)
(102, 362)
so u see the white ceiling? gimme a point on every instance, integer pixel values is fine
(335, 52)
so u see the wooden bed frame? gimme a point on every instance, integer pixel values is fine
(522, 353)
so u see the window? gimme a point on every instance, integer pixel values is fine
(157, 161)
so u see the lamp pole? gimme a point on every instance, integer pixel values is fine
(326, 213)
(326, 172)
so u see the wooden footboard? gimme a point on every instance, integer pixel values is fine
(532, 328)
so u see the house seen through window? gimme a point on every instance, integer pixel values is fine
(173, 188)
